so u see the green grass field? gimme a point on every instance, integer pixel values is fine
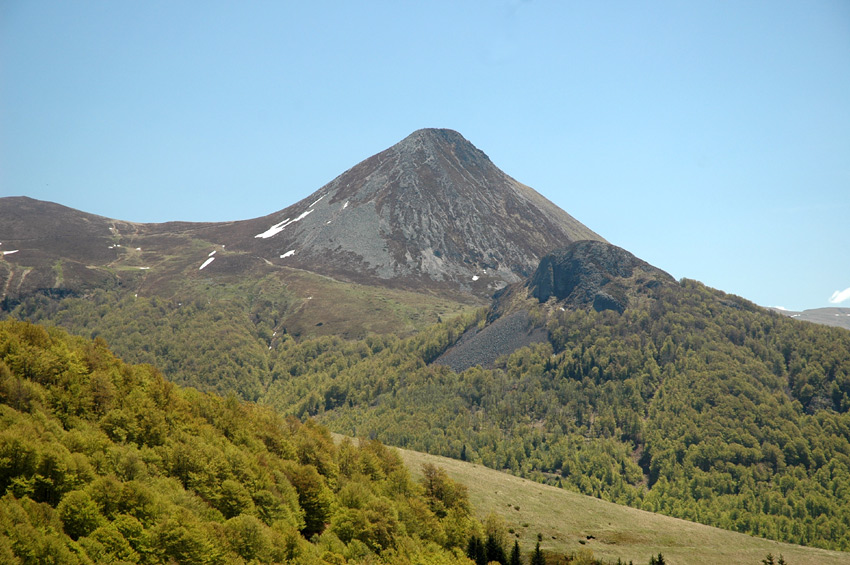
(566, 519)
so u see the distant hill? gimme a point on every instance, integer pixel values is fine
(838, 317)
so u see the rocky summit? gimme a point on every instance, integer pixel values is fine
(430, 211)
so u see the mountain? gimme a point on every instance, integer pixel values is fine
(588, 369)
(838, 317)
(430, 215)
(430, 212)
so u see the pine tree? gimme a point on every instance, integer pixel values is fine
(495, 552)
(537, 557)
(476, 551)
(515, 558)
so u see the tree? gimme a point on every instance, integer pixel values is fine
(494, 550)
(79, 514)
(515, 557)
(537, 557)
(476, 551)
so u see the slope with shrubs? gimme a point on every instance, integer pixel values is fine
(104, 462)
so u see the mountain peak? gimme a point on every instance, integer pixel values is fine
(432, 210)
(426, 144)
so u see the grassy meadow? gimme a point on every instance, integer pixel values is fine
(574, 523)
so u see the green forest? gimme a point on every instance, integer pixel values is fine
(105, 462)
(693, 403)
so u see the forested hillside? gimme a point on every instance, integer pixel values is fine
(694, 404)
(691, 402)
(104, 462)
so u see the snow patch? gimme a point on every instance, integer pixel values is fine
(277, 228)
(344, 206)
(207, 262)
(317, 201)
(10, 252)
(289, 253)
(211, 253)
(138, 249)
(475, 277)
(144, 268)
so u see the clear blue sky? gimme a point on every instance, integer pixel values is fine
(711, 139)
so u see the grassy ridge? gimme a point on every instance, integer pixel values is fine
(565, 519)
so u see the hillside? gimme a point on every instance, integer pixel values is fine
(573, 524)
(690, 402)
(103, 462)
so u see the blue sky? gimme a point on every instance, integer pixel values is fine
(711, 139)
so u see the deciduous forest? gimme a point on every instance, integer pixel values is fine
(694, 404)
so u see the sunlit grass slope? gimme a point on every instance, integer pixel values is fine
(571, 523)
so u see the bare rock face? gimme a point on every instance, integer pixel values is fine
(432, 210)
(593, 273)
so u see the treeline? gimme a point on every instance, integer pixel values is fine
(104, 462)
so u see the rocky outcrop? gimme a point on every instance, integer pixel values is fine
(593, 273)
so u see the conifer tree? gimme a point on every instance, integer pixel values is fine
(495, 552)
(515, 558)
(537, 557)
